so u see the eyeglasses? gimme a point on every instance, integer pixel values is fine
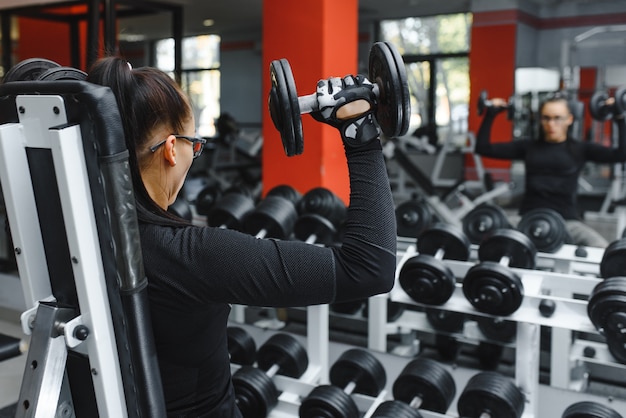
(556, 119)
(196, 142)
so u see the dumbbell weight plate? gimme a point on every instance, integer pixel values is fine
(613, 261)
(255, 392)
(326, 401)
(274, 214)
(546, 229)
(360, 365)
(287, 352)
(412, 217)
(29, 69)
(286, 191)
(207, 197)
(588, 409)
(386, 68)
(497, 329)
(446, 321)
(311, 223)
(597, 109)
(511, 243)
(447, 237)
(241, 346)
(62, 73)
(620, 100)
(483, 220)
(347, 308)
(427, 280)
(492, 393)
(493, 288)
(230, 211)
(395, 409)
(606, 298)
(428, 380)
(285, 108)
(324, 202)
(617, 348)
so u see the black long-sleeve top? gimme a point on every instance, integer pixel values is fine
(194, 273)
(551, 169)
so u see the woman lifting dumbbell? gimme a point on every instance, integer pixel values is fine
(196, 272)
(553, 161)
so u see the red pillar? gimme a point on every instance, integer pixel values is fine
(320, 40)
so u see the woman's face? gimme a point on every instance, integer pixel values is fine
(555, 120)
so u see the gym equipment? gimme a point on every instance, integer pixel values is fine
(321, 213)
(349, 307)
(241, 346)
(445, 323)
(546, 229)
(483, 220)
(62, 73)
(394, 310)
(497, 329)
(386, 72)
(422, 384)
(230, 211)
(355, 371)
(491, 286)
(606, 308)
(613, 263)
(207, 197)
(490, 395)
(413, 217)
(181, 208)
(286, 191)
(273, 217)
(600, 110)
(424, 277)
(589, 409)
(29, 69)
(255, 390)
(484, 103)
(11, 347)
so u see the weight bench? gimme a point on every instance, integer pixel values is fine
(66, 183)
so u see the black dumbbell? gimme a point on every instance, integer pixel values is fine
(288, 192)
(29, 69)
(273, 217)
(601, 108)
(388, 75)
(230, 210)
(321, 212)
(422, 384)
(606, 309)
(546, 229)
(255, 391)
(613, 261)
(491, 286)
(241, 346)
(491, 395)
(356, 371)
(589, 409)
(394, 310)
(413, 217)
(446, 323)
(62, 73)
(181, 208)
(207, 197)
(484, 103)
(425, 277)
(481, 221)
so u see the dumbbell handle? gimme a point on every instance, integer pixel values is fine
(310, 104)
(261, 234)
(416, 402)
(439, 254)
(505, 260)
(350, 387)
(272, 370)
(311, 239)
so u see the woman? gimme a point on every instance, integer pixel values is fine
(553, 162)
(195, 272)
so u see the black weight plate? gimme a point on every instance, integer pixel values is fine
(447, 321)
(493, 288)
(29, 69)
(412, 218)
(241, 346)
(597, 107)
(427, 280)
(275, 215)
(327, 401)
(181, 208)
(510, 243)
(606, 298)
(493, 394)
(349, 307)
(255, 392)
(394, 310)
(613, 261)
(207, 197)
(589, 409)
(545, 227)
(483, 220)
(620, 100)
(360, 367)
(310, 224)
(286, 352)
(229, 211)
(286, 191)
(448, 347)
(386, 68)
(395, 409)
(450, 239)
(63, 73)
(617, 348)
(324, 202)
(427, 380)
(481, 103)
(497, 329)
(285, 108)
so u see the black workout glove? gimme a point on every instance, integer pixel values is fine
(360, 126)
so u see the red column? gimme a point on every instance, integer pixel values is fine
(320, 40)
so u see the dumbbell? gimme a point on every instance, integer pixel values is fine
(273, 217)
(546, 228)
(484, 103)
(491, 286)
(11, 347)
(606, 309)
(241, 346)
(288, 192)
(483, 220)
(490, 395)
(230, 210)
(446, 323)
(413, 217)
(181, 208)
(321, 212)
(29, 69)
(207, 197)
(601, 108)
(589, 409)
(356, 371)
(255, 391)
(386, 72)
(62, 73)
(425, 277)
(613, 262)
